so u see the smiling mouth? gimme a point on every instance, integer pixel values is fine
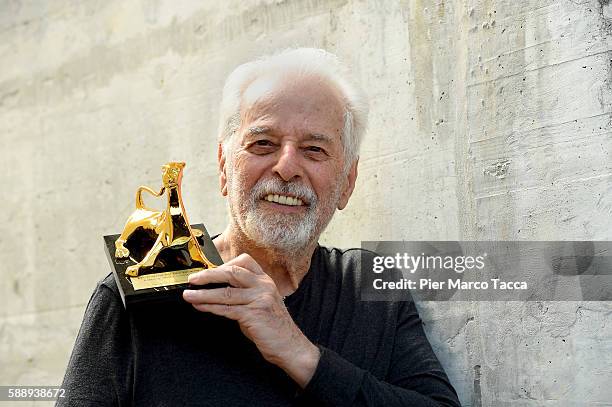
(283, 200)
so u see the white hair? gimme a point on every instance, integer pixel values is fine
(300, 61)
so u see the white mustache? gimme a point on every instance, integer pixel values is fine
(276, 186)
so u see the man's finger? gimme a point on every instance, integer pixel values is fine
(227, 311)
(234, 275)
(226, 295)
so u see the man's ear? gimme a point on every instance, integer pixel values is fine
(222, 172)
(349, 185)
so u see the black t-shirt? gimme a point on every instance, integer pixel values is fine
(372, 353)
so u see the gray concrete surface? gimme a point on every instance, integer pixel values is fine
(491, 120)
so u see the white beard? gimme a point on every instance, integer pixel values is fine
(286, 232)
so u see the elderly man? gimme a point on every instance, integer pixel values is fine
(290, 328)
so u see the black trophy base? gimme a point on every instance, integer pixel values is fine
(166, 280)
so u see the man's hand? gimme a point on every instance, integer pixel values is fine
(253, 300)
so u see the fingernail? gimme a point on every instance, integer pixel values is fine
(191, 277)
(187, 294)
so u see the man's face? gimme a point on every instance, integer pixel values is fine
(284, 171)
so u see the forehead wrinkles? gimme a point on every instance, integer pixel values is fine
(306, 126)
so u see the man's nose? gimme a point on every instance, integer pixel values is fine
(288, 164)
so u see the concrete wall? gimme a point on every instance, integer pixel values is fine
(491, 120)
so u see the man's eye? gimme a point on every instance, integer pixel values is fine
(315, 153)
(263, 143)
(261, 147)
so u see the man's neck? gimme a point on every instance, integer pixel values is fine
(287, 269)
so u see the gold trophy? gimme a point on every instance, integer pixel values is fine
(157, 250)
